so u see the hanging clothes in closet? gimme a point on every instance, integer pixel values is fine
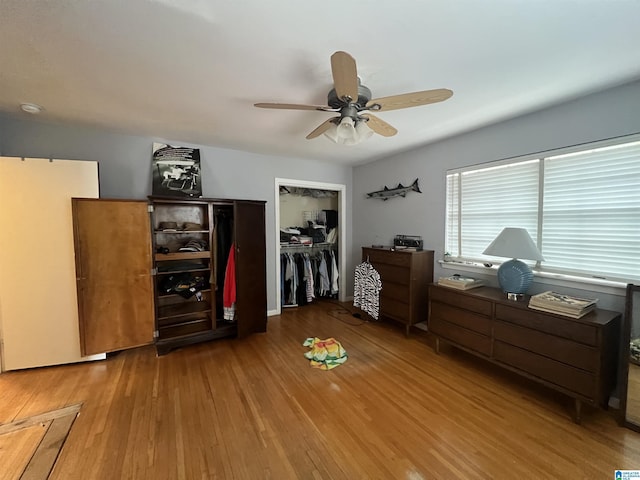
(229, 292)
(222, 239)
(305, 276)
(223, 235)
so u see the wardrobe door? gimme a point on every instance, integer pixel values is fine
(251, 274)
(113, 269)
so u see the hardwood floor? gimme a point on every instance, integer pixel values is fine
(254, 409)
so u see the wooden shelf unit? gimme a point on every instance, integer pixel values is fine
(183, 309)
(181, 321)
(163, 257)
(176, 315)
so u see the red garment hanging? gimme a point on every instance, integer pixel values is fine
(229, 289)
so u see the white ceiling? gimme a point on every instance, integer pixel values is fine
(191, 70)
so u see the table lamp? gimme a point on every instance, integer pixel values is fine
(514, 276)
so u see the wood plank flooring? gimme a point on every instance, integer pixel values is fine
(17, 448)
(31, 445)
(254, 409)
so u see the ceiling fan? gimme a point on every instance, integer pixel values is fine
(352, 101)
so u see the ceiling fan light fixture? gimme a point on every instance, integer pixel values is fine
(332, 133)
(363, 130)
(349, 131)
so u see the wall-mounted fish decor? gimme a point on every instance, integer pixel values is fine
(399, 191)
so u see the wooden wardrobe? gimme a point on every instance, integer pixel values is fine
(126, 250)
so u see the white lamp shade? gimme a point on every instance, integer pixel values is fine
(514, 243)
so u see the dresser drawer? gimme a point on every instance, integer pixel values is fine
(463, 318)
(455, 297)
(579, 332)
(544, 368)
(395, 291)
(388, 257)
(556, 348)
(460, 336)
(396, 310)
(392, 273)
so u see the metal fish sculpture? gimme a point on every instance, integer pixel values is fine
(399, 191)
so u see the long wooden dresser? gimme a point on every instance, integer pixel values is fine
(405, 276)
(575, 356)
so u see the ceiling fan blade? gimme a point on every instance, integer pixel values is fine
(293, 106)
(323, 127)
(407, 100)
(345, 75)
(380, 126)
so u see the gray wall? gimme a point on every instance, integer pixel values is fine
(125, 169)
(612, 113)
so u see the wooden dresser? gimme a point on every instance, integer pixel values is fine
(574, 356)
(405, 280)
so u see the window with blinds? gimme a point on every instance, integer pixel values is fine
(582, 209)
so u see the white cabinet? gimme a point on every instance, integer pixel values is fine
(38, 303)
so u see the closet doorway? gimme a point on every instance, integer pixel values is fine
(332, 190)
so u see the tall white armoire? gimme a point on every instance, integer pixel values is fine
(38, 301)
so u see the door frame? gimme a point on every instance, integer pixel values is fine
(342, 241)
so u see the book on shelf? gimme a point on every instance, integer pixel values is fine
(460, 282)
(563, 304)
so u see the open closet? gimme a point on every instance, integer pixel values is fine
(309, 253)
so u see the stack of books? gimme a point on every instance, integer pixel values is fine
(460, 282)
(562, 304)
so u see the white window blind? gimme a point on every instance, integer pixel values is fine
(582, 209)
(490, 199)
(453, 217)
(591, 213)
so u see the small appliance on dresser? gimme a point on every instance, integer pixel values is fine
(401, 242)
(405, 276)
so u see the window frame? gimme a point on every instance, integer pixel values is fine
(550, 275)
